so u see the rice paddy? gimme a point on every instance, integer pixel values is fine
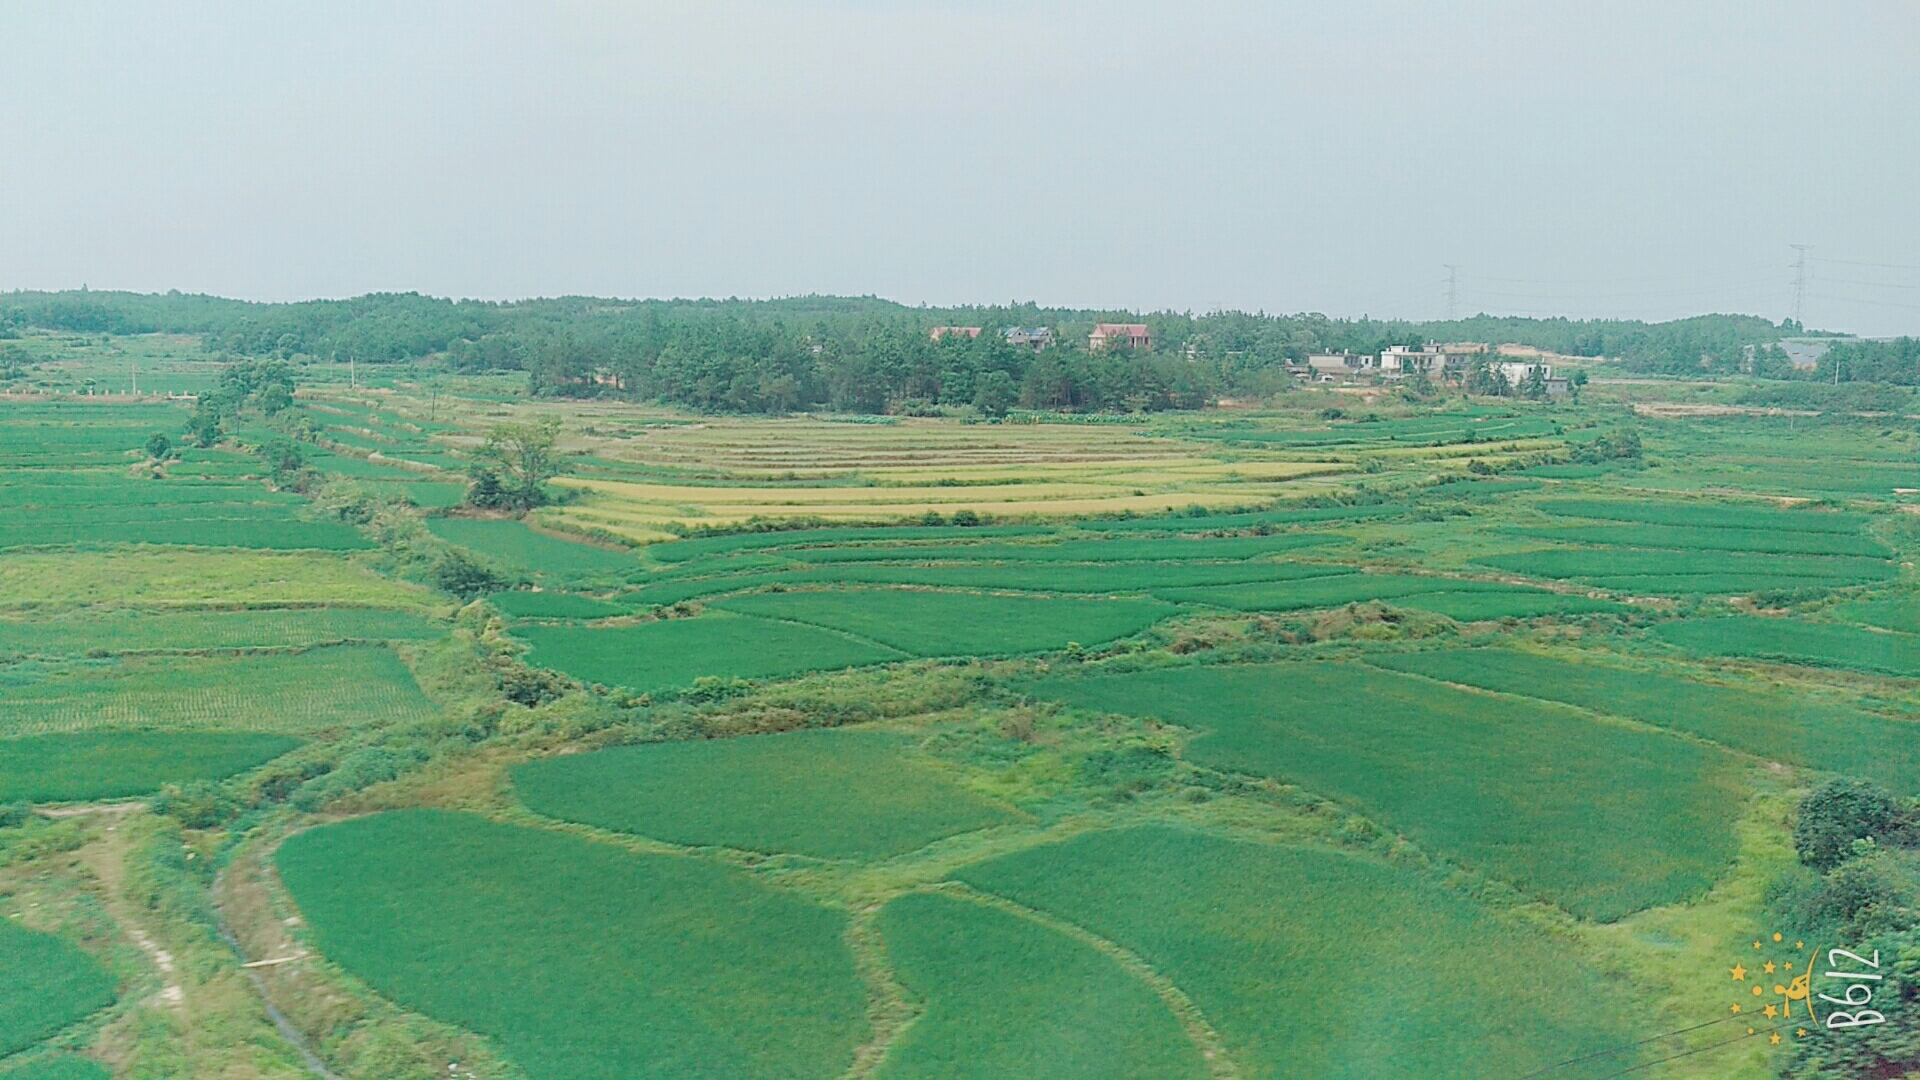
(162, 578)
(1777, 725)
(1332, 849)
(292, 694)
(830, 794)
(46, 984)
(1254, 933)
(671, 653)
(926, 623)
(115, 765)
(620, 964)
(546, 559)
(1601, 818)
(1005, 996)
(1636, 570)
(1829, 644)
(103, 633)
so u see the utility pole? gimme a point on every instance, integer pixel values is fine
(1799, 282)
(1453, 292)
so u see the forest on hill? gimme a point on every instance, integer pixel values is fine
(859, 354)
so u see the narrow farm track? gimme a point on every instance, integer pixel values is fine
(889, 1009)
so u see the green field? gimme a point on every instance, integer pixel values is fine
(1312, 963)
(928, 623)
(1601, 818)
(56, 1067)
(581, 961)
(1130, 549)
(1107, 578)
(295, 694)
(1342, 589)
(1777, 725)
(1507, 604)
(45, 985)
(114, 765)
(1005, 997)
(554, 605)
(675, 652)
(287, 535)
(546, 559)
(1707, 538)
(1828, 644)
(158, 578)
(149, 631)
(1693, 572)
(832, 794)
(1895, 612)
(1709, 515)
(715, 546)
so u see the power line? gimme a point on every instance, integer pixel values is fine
(1874, 265)
(1627, 1046)
(1799, 282)
(1689, 1053)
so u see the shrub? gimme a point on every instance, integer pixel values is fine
(362, 768)
(1842, 811)
(463, 577)
(196, 804)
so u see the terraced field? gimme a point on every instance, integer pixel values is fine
(979, 749)
(293, 694)
(1829, 644)
(1249, 929)
(675, 652)
(1006, 996)
(1773, 724)
(83, 768)
(831, 794)
(439, 910)
(1601, 818)
(45, 985)
(926, 623)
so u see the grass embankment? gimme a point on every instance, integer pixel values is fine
(834, 794)
(1601, 818)
(1006, 996)
(620, 964)
(1256, 933)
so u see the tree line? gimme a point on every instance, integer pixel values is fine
(859, 354)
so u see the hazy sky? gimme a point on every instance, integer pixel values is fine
(1642, 159)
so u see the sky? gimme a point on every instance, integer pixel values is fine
(1620, 159)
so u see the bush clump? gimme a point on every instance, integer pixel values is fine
(360, 769)
(1843, 811)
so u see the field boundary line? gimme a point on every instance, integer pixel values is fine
(1220, 1064)
(890, 1009)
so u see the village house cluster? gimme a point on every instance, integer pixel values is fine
(1517, 365)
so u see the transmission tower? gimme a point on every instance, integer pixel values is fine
(1453, 291)
(1799, 282)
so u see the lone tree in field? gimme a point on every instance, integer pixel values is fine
(159, 446)
(518, 460)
